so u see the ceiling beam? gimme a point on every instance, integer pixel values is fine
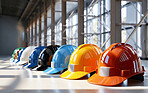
(34, 7)
(27, 7)
(30, 8)
(0, 7)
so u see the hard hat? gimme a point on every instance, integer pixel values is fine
(19, 55)
(25, 55)
(14, 53)
(60, 59)
(83, 61)
(15, 56)
(45, 57)
(33, 58)
(118, 63)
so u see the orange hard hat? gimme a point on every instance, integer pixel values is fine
(83, 61)
(117, 63)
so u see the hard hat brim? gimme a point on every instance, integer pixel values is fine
(35, 69)
(14, 61)
(106, 81)
(26, 65)
(41, 68)
(21, 62)
(17, 61)
(31, 65)
(73, 75)
(110, 80)
(53, 70)
(11, 59)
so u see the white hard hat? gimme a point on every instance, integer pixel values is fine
(25, 55)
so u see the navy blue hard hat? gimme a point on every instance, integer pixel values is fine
(33, 58)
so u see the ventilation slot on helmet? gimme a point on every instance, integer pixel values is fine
(123, 57)
(103, 57)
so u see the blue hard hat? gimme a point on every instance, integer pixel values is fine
(60, 59)
(19, 55)
(33, 58)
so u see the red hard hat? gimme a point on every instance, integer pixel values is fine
(118, 63)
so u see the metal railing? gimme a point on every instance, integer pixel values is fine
(142, 19)
(135, 29)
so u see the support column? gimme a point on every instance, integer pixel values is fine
(45, 22)
(28, 36)
(144, 34)
(52, 22)
(63, 22)
(86, 23)
(80, 22)
(35, 29)
(40, 24)
(25, 35)
(115, 21)
(32, 31)
(29, 30)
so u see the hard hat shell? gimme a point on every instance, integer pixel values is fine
(19, 55)
(117, 63)
(60, 59)
(33, 58)
(16, 55)
(15, 52)
(45, 57)
(25, 55)
(83, 61)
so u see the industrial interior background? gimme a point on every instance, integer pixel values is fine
(45, 22)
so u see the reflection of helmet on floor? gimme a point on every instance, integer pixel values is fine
(45, 57)
(19, 55)
(25, 55)
(60, 59)
(83, 61)
(14, 53)
(33, 58)
(118, 63)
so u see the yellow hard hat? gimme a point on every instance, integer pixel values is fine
(83, 61)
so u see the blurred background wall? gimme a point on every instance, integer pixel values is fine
(10, 37)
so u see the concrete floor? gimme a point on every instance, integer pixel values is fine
(14, 79)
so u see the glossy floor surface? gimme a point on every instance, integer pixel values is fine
(14, 79)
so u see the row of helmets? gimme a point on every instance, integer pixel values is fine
(111, 67)
(40, 58)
